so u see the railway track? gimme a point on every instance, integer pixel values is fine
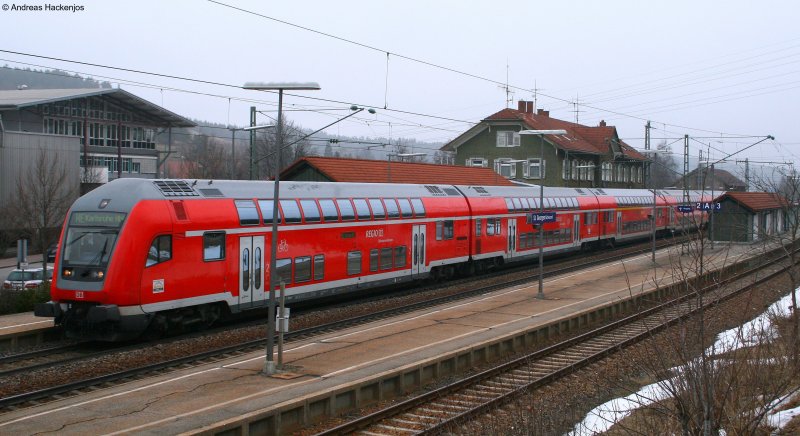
(446, 408)
(39, 360)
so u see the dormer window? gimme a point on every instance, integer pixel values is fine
(507, 138)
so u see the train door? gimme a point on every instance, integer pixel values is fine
(576, 229)
(418, 250)
(512, 237)
(251, 270)
(619, 223)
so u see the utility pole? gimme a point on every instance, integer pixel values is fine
(252, 139)
(648, 174)
(685, 168)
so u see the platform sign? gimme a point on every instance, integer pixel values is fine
(541, 217)
(685, 209)
(708, 206)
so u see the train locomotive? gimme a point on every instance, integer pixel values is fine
(140, 255)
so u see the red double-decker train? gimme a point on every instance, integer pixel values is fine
(139, 254)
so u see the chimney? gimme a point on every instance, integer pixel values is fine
(602, 123)
(525, 106)
(543, 113)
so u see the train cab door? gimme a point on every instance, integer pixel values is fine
(418, 252)
(251, 271)
(512, 238)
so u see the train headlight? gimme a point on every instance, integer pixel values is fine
(96, 275)
(67, 272)
(100, 274)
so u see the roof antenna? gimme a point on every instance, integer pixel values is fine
(194, 183)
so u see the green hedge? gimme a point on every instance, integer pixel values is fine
(24, 300)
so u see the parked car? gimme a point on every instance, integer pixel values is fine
(51, 253)
(20, 279)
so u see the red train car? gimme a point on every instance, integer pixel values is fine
(140, 254)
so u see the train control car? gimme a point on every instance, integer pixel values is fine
(166, 254)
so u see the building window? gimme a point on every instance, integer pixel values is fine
(507, 138)
(535, 168)
(477, 162)
(565, 169)
(505, 168)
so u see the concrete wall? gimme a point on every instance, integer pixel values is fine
(19, 152)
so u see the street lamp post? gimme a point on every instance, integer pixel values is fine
(269, 365)
(541, 134)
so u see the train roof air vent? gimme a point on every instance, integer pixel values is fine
(211, 192)
(433, 189)
(451, 191)
(580, 191)
(600, 191)
(480, 189)
(175, 188)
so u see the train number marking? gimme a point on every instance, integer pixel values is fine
(78, 295)
(283, 246)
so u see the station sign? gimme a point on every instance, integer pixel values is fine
(708, 206)
(685, 209)
(541, 217)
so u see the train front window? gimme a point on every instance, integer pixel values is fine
(90, 238)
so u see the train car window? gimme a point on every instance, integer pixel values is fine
(310, 211)
(509, 205)
(439, 230)
(526, 204)
(284, 269)
(346, 209)
(386, 258)
(160, 250)
(489, 226)
(377, 208)
(354, 263)
(405, 207)
(319, 266)
(517, 204)
(391, 208)
(400, 256)
(535, 203)
(497, 229)
(257, 267)
(523, 240)
(291, 213)
(477, 226)
(329, 211)
(448, 229)
(248, 214)
(266, 211)
(302, 269)
(373, 259)
(362, 210)
(419, 208)
(246, 269)
(213, 246)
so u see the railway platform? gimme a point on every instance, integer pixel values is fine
(336, 372)
(24, 329)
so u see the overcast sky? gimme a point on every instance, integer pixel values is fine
(702, 68)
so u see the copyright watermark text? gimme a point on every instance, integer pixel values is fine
(47, 7)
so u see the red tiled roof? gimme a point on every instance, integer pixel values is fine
(757, 201)
(579, 138)
(379, 171)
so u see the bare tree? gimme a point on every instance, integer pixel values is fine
(294, 146)
(43, 197)
(663, 167)
(206, 160)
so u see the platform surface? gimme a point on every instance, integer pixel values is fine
(190, 399)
